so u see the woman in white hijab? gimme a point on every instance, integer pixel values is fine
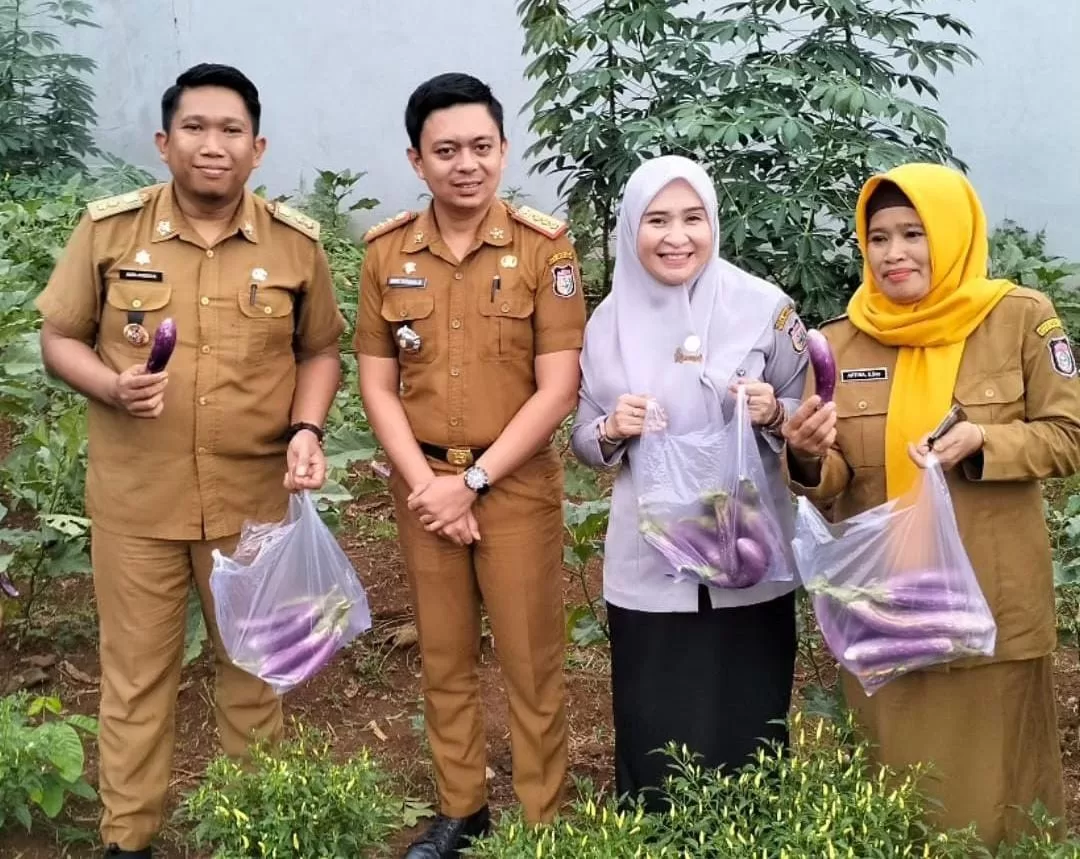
(705, 667)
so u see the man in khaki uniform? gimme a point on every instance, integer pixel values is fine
(180, 459)
(988, 725)
(468, 334)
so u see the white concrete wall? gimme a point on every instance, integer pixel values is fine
(334, 78)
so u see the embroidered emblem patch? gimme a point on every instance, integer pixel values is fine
(1049, 325)
(564, 282)
(782, 319)
(1061, 356)
(797, 333)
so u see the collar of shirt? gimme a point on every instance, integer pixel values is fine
(169, 220)
(495, 229)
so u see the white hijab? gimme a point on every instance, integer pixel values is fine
(633, 335)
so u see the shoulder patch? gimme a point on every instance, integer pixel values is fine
(545, 224)
(782, 318)
(389, 224)
(109, 206)
(1052, 324)
(296, 219)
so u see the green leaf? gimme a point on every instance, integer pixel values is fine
(52, 800)
(22, 814)
(194, 628)
(63, 748)
(584, 628)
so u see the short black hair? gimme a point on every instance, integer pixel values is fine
(444, 91)
(211, 74)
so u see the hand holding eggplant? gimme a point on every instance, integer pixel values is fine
(305, 463)
(139, 392)
(962, 441)
(761, 401)
(628, 419)
(811, 431)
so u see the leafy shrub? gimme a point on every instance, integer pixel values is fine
(822, 799)
(293, 801)
(41, 758)
(1020, 256)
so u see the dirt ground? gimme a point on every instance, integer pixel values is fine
(370, 696)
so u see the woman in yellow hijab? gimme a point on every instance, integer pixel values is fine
(925, 331)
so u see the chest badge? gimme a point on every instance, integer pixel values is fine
(509, 261)
(865, 374)
(136, 335)
(408, 340)
(258, 275)
(410, 268)
(142, 258)
(164, 228)
(690, 351)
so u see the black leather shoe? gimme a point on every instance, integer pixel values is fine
(113, 851)
(447, 835)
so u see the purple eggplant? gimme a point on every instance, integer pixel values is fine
(316, 663)
(919, 624)
(162, 349)
(905, 597)
(753, 561)
(895, 652)
(698, 538)
(290, 659)
(7, 587)
(754, 525)
(285, 616)
(823, 364)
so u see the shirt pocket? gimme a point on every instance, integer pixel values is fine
(416, 309)
(861, 410)
(996, 398)
(131, 314)
(265, 324)
(506, 329)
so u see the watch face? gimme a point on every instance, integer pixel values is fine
(475, 478)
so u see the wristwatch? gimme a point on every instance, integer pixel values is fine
(477, 480)
(303, 425)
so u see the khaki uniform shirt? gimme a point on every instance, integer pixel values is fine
(246, 309)
(1018, 381)
(479, 323)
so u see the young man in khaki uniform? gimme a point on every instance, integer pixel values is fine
(468, 334)
(180, 459)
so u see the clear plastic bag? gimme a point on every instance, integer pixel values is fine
(892, 587)
(287, 599)
(704, 503)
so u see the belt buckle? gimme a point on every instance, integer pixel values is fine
(459, 457)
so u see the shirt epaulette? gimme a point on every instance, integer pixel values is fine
(295, 219)
(545, 224)
(839, 318)
(108, 206)
(389, 224)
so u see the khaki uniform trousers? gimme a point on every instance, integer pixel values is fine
(989, 732)
(142, 586)
(516, 569)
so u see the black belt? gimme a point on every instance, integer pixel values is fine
(461, 457)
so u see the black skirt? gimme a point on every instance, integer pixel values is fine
(715, 680)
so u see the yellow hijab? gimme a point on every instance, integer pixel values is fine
(931, 333)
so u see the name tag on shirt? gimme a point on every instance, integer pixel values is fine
(140, 274)
(406, 282)
(865, 374)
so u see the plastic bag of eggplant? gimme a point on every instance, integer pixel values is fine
(892, 587)
(287, 600)
(704, 503)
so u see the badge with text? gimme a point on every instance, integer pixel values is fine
(1061, 356)
(140, 274)
(782, 319)
(1052, 324)
(406, 282)
(564, 282)
(865, 374)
